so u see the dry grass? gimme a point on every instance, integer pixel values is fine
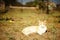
(12, 30)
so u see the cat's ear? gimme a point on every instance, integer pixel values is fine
(39, 22)
(45, 21)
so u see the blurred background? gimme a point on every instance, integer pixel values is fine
(15, 15)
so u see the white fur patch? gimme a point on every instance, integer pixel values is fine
(35, 29)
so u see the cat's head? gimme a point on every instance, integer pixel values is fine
(42, 22)
(42, 27)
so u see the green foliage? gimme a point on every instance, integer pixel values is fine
(36, 2)
(32, 3)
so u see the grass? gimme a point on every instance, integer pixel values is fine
(25, 18)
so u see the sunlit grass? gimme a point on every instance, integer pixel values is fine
(26, 18)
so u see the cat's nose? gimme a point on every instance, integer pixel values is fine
(46, 30)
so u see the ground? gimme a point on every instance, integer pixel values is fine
(11, 30)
